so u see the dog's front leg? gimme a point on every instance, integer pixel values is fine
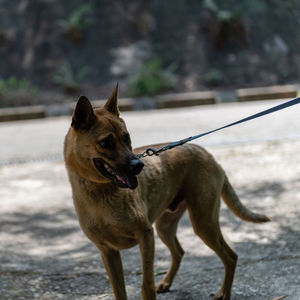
(146, 243)
(113, 264)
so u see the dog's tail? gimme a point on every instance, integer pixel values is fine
(233, 202)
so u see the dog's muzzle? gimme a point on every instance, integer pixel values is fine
(125, 177)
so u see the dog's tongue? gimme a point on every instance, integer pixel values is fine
(130, 182)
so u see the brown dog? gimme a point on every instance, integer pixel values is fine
(116, 208)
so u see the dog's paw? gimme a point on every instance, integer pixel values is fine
(221, 295)
(162, 287)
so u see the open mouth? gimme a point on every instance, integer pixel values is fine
(124, 181)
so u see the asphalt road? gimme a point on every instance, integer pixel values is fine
(44, 255)
(39, 139)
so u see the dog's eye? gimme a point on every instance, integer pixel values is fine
(106, 143)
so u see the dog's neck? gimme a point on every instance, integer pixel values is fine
(90, 188)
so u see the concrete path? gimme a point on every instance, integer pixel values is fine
(42, 138)
(44, 255)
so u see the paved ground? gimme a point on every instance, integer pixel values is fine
(44, 255)
(44, 138)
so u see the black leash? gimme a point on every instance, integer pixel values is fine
(153, 151)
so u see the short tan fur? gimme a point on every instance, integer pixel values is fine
(118, 197)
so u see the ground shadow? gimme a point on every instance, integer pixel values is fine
(78, 271)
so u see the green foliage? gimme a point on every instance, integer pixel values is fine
(14, 91)
(77, 22)
(152, 78)
(213, 77)
(68, 79)
(12, 83)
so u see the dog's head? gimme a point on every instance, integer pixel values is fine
(100, 147)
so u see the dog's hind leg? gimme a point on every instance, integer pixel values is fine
(166, 227)
(206, 226)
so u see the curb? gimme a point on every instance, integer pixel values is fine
(265, 93)
(22, 113)
(157, 102)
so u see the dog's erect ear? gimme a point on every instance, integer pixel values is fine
(112, 103)
(83, 117)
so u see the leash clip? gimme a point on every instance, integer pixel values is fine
(149, 152)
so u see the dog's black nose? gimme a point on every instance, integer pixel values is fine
(136, 166)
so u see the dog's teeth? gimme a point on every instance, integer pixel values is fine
(122, 179)
(108, 168)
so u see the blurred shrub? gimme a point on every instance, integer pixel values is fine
(68, 79)
(15, 92)
(230, 9)
(228, 24)
(75, 25)
(213, 77)
(6, 37)
(152, 78)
